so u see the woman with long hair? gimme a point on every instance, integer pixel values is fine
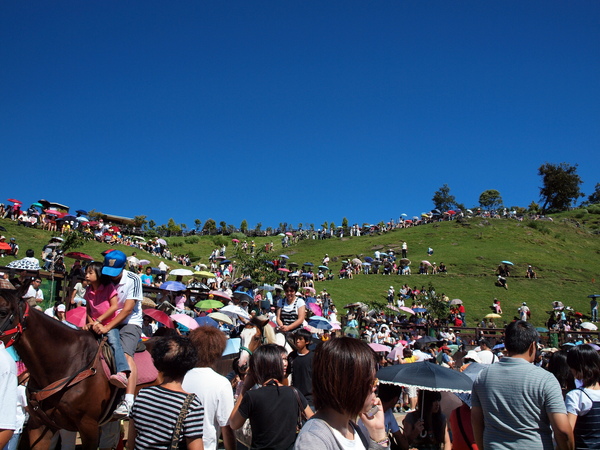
(273, 409)
(583, 404)
(344, 385)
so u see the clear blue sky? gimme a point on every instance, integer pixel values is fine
(282, 111)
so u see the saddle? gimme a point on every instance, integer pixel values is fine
(146, 372)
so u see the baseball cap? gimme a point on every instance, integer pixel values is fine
(61, 307)
(2, 237)
(114, 262)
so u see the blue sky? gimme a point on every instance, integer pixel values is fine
(298, 112)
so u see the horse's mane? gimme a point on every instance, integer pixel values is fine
(268, 331)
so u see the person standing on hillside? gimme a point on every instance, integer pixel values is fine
(404, 249)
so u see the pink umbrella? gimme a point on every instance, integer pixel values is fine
(143, 262)
(283, 269)
(289, 234)
(309, 289)
(77, 316)
(407, 309)
(235, 241)
(159, 316)
(379, 348)
(336, 326)
(427, 263)
(161, 241)
(219, 294)
(316, 309)
(185, 320)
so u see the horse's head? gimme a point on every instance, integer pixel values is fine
(252, 336)
(10, 317)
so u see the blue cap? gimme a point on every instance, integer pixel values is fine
(114, 262)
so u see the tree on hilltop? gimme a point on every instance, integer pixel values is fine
(244, 226)
(490, 199)
(209, 226)
(197, 224)
(561, 186)
(140, 221)
(442, 199)
(594, 198)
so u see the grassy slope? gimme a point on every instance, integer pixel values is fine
(567, 259)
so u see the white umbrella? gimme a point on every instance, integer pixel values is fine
(234, 310)
(181, 272)
(589, 326)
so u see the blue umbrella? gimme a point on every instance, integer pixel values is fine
(173, 286)
(366, 264)
(419, 310)
(321, 323)
(225, 262)
(284, 256)
(368, 259)
(232, 347)
(508, 262)
(308, 264)
(594, 296)
(324, 267)
(207, 321)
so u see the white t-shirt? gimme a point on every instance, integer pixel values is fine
(487, 357)
(8, 390)
(130, 288)
(37, 294)
(579, 403)
(216, 395)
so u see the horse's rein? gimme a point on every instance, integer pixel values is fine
(17, 330)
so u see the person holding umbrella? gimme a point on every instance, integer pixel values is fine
(425, 428)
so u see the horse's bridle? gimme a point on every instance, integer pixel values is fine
(17, 330)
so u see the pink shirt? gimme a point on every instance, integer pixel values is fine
(99, 301)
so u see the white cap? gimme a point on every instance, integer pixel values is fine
(61, 308)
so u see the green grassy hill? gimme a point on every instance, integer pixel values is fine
(565, 253)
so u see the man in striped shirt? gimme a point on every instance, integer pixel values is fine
(128, 319)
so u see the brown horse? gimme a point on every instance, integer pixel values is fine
(67, 387)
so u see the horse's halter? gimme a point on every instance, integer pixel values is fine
(17, 330)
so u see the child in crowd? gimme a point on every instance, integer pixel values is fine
(102, 305)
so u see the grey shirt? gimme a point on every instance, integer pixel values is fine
(516, 398)
(316, 434)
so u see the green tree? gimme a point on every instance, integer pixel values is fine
(223, 226)
(332, 226)
(300, 226)
(209, 226)
(151, 224)
(533, 208)
(594, 198)
(183, 227)
(325, 226)
(258, 227)
(173, 228)
(244, 226)
(72, 240)
(561, 186)
(254, 266)
(197, 224)
(442, 199)
(140, 221)
(345, 225)
(490, 199)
